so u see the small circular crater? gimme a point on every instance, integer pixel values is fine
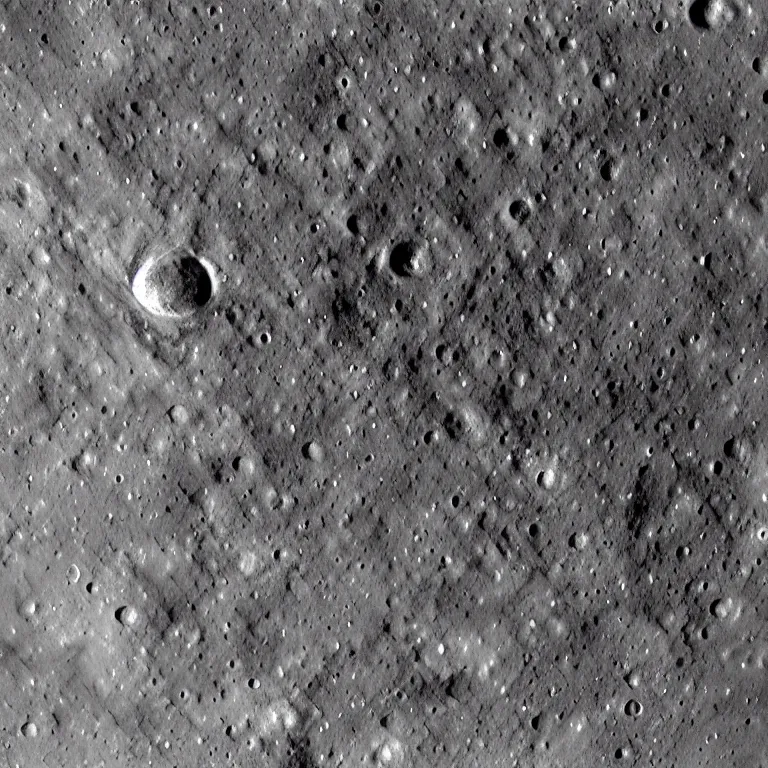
(520, 211)
(501, 138)
(720, 608)
(546, 479)
(607, 170)
(712, 14)
(697, 13)
(312, 451)
(127, 615)
(73, 574)
(178, 414)
(407, 259)
(633, 708)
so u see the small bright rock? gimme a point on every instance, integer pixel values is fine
(247, 563)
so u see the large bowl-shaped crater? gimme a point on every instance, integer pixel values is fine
(174, 283)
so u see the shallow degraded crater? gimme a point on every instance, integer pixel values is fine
(174, 283)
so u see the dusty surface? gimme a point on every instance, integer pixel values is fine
(383, 383)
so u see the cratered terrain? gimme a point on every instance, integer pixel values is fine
(383, 383)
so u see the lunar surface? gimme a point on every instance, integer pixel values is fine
(383, 383)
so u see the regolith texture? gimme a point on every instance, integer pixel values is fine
(383, 384)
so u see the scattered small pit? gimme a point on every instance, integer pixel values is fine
(453, 425)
